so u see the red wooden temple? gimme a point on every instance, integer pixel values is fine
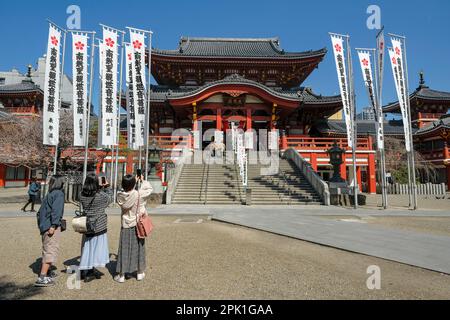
(257, 85)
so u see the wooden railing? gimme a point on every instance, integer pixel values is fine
(21, 110)
(308, 143)
(171, 142)
(436, 154)
(429, 115)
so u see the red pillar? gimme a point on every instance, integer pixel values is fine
(194, 117)
(448, 176)
(313, 161)
(2, 175)
(219, 119)
(358, 176)
(249, 118)
(129, 160)
(99, 167)
(371, 175)
(344, 167)
(284, 142)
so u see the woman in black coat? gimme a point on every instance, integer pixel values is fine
(95, 198)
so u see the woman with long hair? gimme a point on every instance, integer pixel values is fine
(95, 198)
(131, 256)
(49, 222)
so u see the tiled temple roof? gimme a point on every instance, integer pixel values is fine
(235, 47)
(423, 92)
(391, 127)
(22, 87)
(443, 122)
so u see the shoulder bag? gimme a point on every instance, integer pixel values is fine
(144, 225)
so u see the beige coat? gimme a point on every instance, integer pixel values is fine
(128, 202)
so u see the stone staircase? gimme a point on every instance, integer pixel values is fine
(221, 184)
(209, 184)
(288, 186)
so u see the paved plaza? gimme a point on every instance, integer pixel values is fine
(257, 252)
(213, 260)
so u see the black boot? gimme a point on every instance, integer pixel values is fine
(88, 275)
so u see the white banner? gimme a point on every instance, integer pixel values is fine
(51, 88)
(109, 87)
(138, 72)
(339, 56)
(396, 57)
(365, 60)
(79, 75)
(380, 50)
(131, 118)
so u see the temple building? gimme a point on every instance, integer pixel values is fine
(216, 83)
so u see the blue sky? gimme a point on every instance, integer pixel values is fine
(300, 25)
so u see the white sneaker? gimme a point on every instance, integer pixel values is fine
(119, 278)
(140, 276)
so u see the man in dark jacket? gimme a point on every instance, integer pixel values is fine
(33, 192)
(49, 222)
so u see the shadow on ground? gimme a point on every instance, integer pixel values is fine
(12, 291)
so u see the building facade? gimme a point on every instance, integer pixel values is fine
(210, 84)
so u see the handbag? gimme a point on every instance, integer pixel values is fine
(144, 225)
(79, 223)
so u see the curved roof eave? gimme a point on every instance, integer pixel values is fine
(234, 80)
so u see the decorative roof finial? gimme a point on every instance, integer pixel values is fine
(422, 80)
(28, 75)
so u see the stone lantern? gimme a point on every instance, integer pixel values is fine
(336, 160)
(154, 157)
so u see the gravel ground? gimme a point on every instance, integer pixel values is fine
(213, 260)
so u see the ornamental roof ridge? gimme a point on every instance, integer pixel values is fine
(213, 39)
(235, 47)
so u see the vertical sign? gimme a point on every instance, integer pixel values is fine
(79, 75)
(131, 115)
(339, 56)
(365, 60)
(380, 49)
(109, 87)
(138, 72)
(396, 57)
(51, 88)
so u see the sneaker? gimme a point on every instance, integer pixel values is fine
(119, 278)
(44, 282)
(52, 274)
(140, 276)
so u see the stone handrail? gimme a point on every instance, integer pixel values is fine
(320, 186)
(173, 181)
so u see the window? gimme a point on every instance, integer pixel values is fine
(2, 81)
(15, 173)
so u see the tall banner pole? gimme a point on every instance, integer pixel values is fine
(380, 72)
(61, 74)
(60, 90)
(142, 106)
(399, 66)
(413, 169)
(140, 158)
(147, 111)
(118, 113)
(353, 116)
(88, 112)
